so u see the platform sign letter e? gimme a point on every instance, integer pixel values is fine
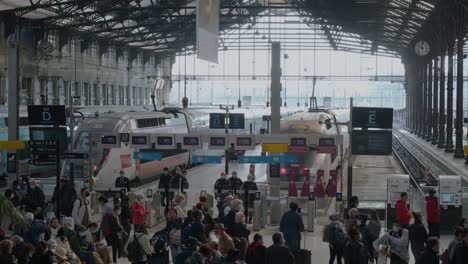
(372, 117)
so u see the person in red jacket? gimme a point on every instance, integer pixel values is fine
(139, 211)
(433, 214)
(403, 214)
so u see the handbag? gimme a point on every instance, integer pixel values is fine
(384, 252)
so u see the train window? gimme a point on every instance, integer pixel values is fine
(82, 142)
(162, 121)
(149, 122)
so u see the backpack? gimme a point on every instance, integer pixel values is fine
(339, 237)
(186, 233)
(134, 250)
(327, 233)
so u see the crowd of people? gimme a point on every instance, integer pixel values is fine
(359, 240)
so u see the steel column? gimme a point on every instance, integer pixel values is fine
(424, 110)
(413, 96)
(420, 100)
(459, 111)
(435, 114)
(449, 136)
(429, 103)
(442, 101)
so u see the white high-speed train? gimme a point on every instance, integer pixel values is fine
(318, 123)
(107, 162)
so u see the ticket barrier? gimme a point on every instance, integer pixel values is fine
(450, 199)
(396, 184)
(257, 212)
(311, 212)
(339, 202)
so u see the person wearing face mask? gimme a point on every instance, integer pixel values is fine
(164, 186)
(225, 242)
(235, 182)
(179, 182)
(67, 197)
(291, 226)
(52, 229)
(463, 223)
(278, 253)
(113, 232)
(222, 184)
(460, 255)
(354, 251)
(139, 211)
(337, 240)
(81, 246)
(430, 255)
(372, 233)
(249, 187)
(62, 242)
(457, 239)
(36, 195)
(81, 208)
(104, 206)
(398, 240)
(433, 213)
(417, 235)
(122, 182)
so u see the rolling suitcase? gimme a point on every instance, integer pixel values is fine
(304, 256)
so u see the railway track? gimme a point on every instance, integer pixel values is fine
(415, 159)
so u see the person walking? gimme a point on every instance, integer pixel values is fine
(403, 213)
(430, 255)
(81, 208)
(278, 253)
(433, 213)
(372, 234)
(164, 186)
(249, 187)
(235, 182)
(139, 211)
(222, 184)
(398, 239)
(417, 235)
(291, 226)
(37, 196)
(67, 196)
(225, 243)
(354, 251)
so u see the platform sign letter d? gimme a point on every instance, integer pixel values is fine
(372, 117)
(46, 116)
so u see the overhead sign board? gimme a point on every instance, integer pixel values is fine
(206, 159)
(110, 140)
(47, 115)
(326, 141)
(217, 120)
(243, 142)
(47, 139)
(371, 142)
(12, 144)
(326, 150)
(275, 147)
(140, 140)
(191, 142)
(298, 144)
(236, 121)
(165, 142)
(217, 142)
(372, 117)
(268, 159)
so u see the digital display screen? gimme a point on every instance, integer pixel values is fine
(448, 198)
(218, 141)
(339, 197)
(109, 140)
(311, 196)
(191, 141)
(298, 142)
(257, 196)
(165, 141)
(326, 141)
(139, 140)
(394, 196)
(244, 141)
(124, 137)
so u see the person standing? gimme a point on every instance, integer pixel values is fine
(278, 253)
(225, 243)
(81, 208)
(337, 240)
(179, 182)
(139, 211)
(249, 187)
(235, 182)
(222, 184)
(372, 234)
(417, 235)
(433, 214)
(143, 240)
(122, 182)
(403, 213)
(291, 226)
(67, 196)
(240, 227)
(354, 251)
(256, 251)
(460, 255)
(37, 196)
(112, 231)
(164, 186)
(398, 239)
(430, 255)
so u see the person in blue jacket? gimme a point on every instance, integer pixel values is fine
(291, 226)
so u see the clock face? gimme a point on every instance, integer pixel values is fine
(422, 48)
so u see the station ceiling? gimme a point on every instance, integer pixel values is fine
(388, 27)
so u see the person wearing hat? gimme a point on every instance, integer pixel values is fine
(249, 187)
(225, 242)
(79, 245)
(191, 246)
(61, 255)
(433, 214)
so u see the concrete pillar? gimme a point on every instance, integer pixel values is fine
(275, 88)
(3, 90)
(62, 92)
(435, 103)
(423, 121)
(449, 136)
(459, 110)
(428, 82)
(441, 143)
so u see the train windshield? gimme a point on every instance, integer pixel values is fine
(82, 142)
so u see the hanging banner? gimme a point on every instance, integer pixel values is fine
(208, 29)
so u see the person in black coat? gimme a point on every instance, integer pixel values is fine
(256, 251)
(222, 184)
(36, 196)
(278, 253)
(235, 182)
(240, 228)
(249, 187)
(164, 186)
(122, 181)
(354, 251)
(430, 254)
(461, 251)
(68, 196)
(417, 235)
(180, 182)
(43, 255)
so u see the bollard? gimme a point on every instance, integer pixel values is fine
(257, 212)
(311, 212)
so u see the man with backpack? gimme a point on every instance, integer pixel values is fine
(139, 246)
(336, 239)
(113, 231)
(81, 208)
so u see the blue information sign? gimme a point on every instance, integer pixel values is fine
(269, 159)
(206, 159)
(147, 156)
